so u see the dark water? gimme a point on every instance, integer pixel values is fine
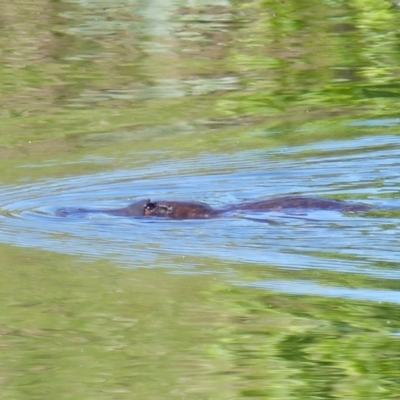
(107, 102)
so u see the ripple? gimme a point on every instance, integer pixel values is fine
(320, 240)
(307, 288)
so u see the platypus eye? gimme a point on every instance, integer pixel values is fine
(150, 206)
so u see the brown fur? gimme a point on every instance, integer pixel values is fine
(196, 210)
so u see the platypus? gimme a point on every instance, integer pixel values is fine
(196, 210)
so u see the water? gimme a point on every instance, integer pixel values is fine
(295, 272)
(323, 240)
(106, 102)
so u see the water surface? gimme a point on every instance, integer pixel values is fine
(107, 102)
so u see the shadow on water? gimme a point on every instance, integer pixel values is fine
(318, 240)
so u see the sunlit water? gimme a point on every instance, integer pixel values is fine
(322, 240)
(236, 101)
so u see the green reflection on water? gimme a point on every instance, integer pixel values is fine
(89, 330)
(78, 80)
